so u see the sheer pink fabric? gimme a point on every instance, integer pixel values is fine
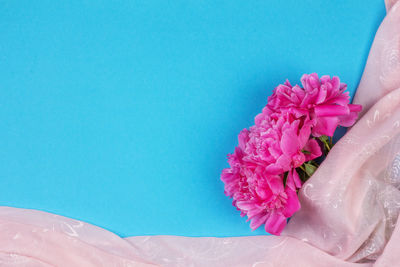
(349, 208)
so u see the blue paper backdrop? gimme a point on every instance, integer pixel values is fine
(121, 113)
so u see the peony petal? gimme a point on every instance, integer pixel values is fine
(245, 205)
(355, 108)
(349, 120)
(296, 179)
(313, 80)
(298, 159)
(264, 192)
(292, 204)
(258, 220)
(287, 83)
(342, 99)
(305, 133)
(284, 162)
(325, 126)
(290, 143)
(273, 169)
(309, 82)
(227, 175)
(254, 212)
(243, 138)
(293, 180)
(275, 223)
(276, 185)
(313, 148)
(290, 182)
(275, 151)
(325, 79)
(331, 110)
(335, 82)
(323, 92)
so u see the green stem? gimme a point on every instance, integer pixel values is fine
(327, 147)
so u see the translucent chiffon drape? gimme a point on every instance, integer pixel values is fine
(349, 213)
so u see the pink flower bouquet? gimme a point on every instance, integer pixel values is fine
(285, 146)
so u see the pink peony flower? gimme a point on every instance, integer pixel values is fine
(324, 100)
(270, 148)
(263, 177)
(277, 140)
(259, 195)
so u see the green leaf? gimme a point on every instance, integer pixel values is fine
(327, 142)
(310, 169)
(323, 138)
(306, 152)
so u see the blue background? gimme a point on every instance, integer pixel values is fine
(121, 113)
